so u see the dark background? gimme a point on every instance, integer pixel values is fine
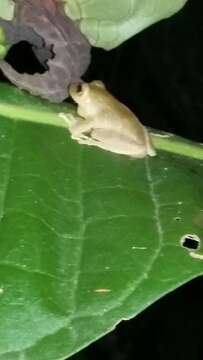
(170, 329)
(158, 74)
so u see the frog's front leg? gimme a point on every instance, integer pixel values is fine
(89, 141)
(77, 126)
(81, 130)
(69, 119)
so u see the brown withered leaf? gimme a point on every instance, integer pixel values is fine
(57, 43)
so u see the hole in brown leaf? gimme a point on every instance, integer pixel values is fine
(22, 58)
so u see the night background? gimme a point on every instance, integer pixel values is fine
(158, 74)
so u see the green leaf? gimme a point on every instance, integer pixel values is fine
(4, 47)
(108, 23)
(7, 9)
(87, 237)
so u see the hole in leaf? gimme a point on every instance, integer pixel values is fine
(22, 58)
(190, 242)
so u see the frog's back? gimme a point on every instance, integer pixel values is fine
(117, 115)
(113, 115)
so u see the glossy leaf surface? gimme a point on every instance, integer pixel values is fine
(87, 237)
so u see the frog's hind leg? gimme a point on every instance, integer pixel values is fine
(114, 143)
(118, 143)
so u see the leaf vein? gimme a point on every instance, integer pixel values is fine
(8, 174)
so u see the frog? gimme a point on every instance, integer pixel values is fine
(105, 122)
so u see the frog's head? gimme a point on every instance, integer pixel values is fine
(88, 96)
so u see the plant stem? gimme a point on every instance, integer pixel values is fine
(162, 141)
(177, 145)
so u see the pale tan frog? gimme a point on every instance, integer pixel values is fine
(106, 123)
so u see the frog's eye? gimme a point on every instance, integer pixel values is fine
(77, 89)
